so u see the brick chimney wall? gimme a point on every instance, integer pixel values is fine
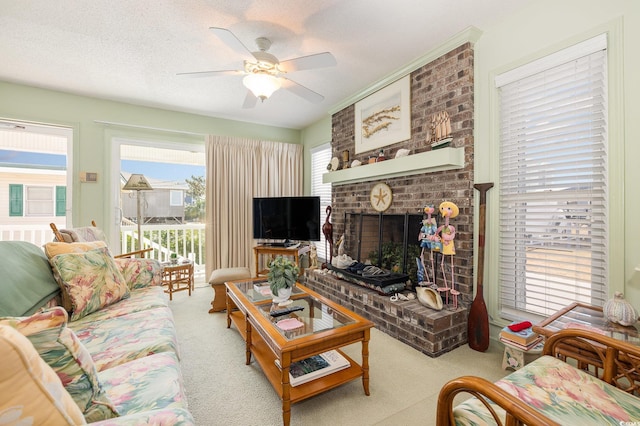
(444, 84)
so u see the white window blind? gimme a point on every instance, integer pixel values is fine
(553, 182)
(40, 200)
(320, 157)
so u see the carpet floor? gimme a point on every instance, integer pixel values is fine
(222, 390)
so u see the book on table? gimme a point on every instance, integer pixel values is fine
(524, 348)
(522, 337)
(316, 366)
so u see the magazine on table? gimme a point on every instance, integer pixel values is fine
(525, 348)
(523, 337)
(316, 366)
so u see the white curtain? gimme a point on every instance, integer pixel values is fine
(237, 170)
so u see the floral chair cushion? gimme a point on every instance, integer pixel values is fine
(91, 279)
(59, 347)
(560, 392)
(31, 391)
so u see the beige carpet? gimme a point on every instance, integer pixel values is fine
(222, 390)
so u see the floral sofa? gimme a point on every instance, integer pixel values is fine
(86, 338)
(599, 386)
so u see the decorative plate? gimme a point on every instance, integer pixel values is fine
(381, 197)
(289, 324)
(335, 163)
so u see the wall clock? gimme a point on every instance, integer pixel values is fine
(381, 197)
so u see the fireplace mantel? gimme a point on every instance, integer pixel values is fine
(425, 162)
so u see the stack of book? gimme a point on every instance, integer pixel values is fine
(524, 339)
(315, 367)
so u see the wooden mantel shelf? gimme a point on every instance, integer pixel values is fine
(426, 162)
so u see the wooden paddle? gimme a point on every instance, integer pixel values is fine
(478, 323)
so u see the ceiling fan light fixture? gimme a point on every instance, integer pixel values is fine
(262, 85)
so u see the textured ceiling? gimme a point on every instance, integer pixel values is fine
(131, 51)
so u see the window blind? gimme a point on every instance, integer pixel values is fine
(320, 157)
(553, 184)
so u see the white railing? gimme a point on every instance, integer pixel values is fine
(186, 241)
(35, 234)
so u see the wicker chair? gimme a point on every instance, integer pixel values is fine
(88, 233)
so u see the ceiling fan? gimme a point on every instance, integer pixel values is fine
(264, 73)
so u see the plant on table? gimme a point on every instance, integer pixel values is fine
(283, 274)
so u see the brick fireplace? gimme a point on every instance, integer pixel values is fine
(445, 84)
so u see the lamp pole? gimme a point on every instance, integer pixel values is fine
(139, 222)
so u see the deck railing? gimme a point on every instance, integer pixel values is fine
(186, 241)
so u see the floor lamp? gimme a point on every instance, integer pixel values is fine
(138, 182)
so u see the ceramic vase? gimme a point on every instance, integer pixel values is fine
(283, 295)
(620, 311)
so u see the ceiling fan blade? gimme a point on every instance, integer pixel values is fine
(301, 91)
(210, 73)
(319, 60)
(249, 101)
(233, 42)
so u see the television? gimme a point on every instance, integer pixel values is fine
(286, 218)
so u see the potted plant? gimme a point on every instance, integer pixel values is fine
(174, 258)
(282, 276)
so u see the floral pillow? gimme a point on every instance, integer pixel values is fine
(54, 248)
(31, 391)
(91, 279)
(60, 348)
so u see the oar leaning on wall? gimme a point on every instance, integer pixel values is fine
(478, 323)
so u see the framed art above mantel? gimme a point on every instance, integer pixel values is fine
(384, 117)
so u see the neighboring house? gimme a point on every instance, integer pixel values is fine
(32, 195)
(165, 204)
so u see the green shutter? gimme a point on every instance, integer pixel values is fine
(61, 200)
(15, 200)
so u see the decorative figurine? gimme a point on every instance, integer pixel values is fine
(447, 234)
(327, 230)
(313, 257)
(440, 131)
(429, 240)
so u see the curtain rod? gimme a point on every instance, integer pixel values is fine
(136, 126)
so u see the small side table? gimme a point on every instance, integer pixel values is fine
(272, 251)
(177, 277)
(516, 358)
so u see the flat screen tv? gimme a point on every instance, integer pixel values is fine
(288, 219)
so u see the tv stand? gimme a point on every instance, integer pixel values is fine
(285, 243)
(272, 251)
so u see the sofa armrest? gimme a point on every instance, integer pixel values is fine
(140, 273)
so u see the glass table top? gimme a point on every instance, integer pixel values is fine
(315, 316)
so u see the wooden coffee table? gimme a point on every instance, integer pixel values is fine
(326, 326)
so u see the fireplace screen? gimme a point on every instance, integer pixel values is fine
(389, 241)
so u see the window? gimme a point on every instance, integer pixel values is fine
(36, 200)
(176, 198)
(553, 182)
(320, 157)
(39, 200)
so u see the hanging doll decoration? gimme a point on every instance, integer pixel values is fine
(429, 240)
(447, 234)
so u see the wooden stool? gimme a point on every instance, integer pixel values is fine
(217, 280)
(516, 358)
